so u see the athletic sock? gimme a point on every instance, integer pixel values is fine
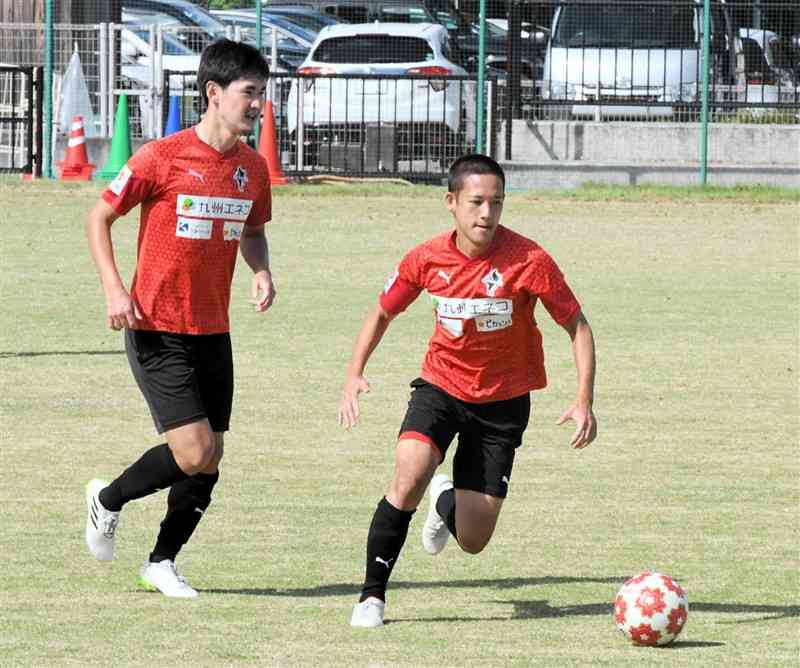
(154, 470)
(446, 507)
(387, 533)
(186, 503)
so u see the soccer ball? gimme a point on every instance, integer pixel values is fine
(651, 609)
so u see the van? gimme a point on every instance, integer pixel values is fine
(633, 58)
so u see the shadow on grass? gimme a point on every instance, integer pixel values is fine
(536, 609)
(58, 353)
(348, 589)
(543, 610)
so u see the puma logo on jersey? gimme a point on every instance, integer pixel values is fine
(445, 276)
(384, 561)
(196, 174)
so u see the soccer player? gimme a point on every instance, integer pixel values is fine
(483, 360)
(203, 194)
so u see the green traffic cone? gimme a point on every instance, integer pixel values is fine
(120, 142)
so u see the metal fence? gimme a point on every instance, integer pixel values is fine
(21, 120)
(611, 60)
(560, 60)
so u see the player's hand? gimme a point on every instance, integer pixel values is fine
(121, 311)
(262, 291)
(348, 405)
(586, 429)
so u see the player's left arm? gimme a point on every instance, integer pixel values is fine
(254, 248)
(580, 410)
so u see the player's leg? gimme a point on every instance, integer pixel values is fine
(416, 458)
(162, 368)
(482, 467)
(189, 499)
(415, 462)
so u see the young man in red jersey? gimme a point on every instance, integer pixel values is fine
(204, 194)
(483, 360)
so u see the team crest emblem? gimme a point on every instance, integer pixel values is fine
(240, 178)
(492, 281)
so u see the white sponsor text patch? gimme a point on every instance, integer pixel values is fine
(191, 228)
(491, 323)
(232, 231)
(468, 308)
(213, 207)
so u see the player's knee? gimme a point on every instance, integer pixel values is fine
(473, 544)
(407, 490)
(200, 454)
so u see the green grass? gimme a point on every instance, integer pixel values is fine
(694, 302)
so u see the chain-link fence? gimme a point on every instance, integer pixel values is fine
(558, 60)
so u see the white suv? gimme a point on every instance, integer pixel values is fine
(346, 96)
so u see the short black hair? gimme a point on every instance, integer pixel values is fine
(474, 163)
(225, 61)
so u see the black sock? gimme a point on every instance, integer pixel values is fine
(186, 503)
(154, 470)
(387, 533)
(446, 507)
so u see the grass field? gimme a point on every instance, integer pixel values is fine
(694, 302)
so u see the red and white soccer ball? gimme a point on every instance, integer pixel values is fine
(651, 609)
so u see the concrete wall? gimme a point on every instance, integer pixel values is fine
(551, 154)
(652, 143)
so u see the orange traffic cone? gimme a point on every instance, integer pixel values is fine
(76, 166)
(268, 148)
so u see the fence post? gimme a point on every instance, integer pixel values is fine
(704, 99)
(47, 170)
(103, 71)
(481, 77)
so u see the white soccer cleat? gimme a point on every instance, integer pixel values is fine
(101, 524)
(164, 577)
(435, 532)
(368, 614)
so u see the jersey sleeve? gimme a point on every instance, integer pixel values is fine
(403, 286)
(548, 284)
(136, 181)
(262, 208)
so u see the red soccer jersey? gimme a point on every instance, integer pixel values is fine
(485, 345)
(195, 203)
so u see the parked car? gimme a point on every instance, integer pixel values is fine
(462, 29)
(186, 13)
(141, 68)
(780, 56)
(293, 42)
(305, 17)
(620, 59)
(427, 114)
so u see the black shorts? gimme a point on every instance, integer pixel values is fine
(488, 434)
(183, 377)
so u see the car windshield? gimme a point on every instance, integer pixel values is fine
(404, 14)
(204, 20)
(172, 45)
(373, 49)
(628, 25)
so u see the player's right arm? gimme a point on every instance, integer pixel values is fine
(120, 309)
(370, 334)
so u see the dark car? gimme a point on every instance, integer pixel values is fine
(462, 29)
(305, 17)
(185, 13)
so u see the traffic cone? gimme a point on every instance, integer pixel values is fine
(174, 116)
(268, 148)
(120, 142)
(76, 166)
